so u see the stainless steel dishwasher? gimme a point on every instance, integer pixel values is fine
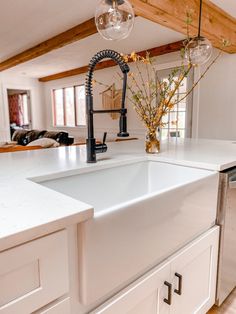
(226, 219)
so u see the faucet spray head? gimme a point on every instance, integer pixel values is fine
(123, 124)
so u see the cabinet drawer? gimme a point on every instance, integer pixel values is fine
(34, 274)
(62, 307)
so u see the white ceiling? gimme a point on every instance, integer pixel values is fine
(79, 53)
(29, 22)
(228, 6)
(25, 23)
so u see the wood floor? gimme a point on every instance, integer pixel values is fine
(228, 307)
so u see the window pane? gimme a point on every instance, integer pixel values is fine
(175, 124)
(164, 134)
(182, 133)
(80, 105)
(175, 108)
(182, 106)
(173, 119)
(25, 109)
(58, 110)
(69, 106)
(174, 133)
(181, 120)
(183, 86)
(171, 82)
(175, 98)
(165, 119)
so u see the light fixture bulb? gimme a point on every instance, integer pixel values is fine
(198, 50)
(114, 19)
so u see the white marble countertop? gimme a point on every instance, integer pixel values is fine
(200, 153)
(29, 210)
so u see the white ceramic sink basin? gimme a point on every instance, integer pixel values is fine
(144, 211)
(111, 188)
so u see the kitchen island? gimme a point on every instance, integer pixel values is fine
(30, 212)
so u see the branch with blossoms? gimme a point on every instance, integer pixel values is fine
(152, 97)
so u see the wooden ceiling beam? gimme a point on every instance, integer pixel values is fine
(216, 26)
(216, 23)
(154, 52)
(76, 33)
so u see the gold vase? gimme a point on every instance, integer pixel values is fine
(152, 142)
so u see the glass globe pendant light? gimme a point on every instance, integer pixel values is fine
(199, 49)
(114, 19)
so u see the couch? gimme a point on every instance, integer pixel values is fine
(24, 137)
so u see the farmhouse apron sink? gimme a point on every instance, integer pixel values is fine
(143, 212)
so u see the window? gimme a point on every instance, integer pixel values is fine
(19, 107)
(178, 122)
(69, 106)
(25, 109)
(80, 105)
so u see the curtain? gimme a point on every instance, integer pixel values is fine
(16, 109)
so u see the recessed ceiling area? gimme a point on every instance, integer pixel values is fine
(28, 23)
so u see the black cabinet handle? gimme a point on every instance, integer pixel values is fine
(169, 299)
(179, 290)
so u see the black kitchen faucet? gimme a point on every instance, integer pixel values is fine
(92, 147)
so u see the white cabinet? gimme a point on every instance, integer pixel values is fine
(144, 296)
(184, 284)
(61, 307)
(193, 274)
(34, 274)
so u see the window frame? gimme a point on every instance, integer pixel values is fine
(54, 109)
(162, 72)
(25, 115)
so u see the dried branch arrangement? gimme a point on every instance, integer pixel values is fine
(152, 97)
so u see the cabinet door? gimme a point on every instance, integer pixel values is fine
(34, 274)
(145, 295)
(193, 273)
(61, 307)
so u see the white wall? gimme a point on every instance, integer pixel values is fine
(37, 103)
(217, 100)
(102, 122)
(214, 102)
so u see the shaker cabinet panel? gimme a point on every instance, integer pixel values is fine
(185, 284)
(34, 274)
(146, 295)
(62, 307)
(193, 273)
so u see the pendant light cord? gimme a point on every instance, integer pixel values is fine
(200, 19)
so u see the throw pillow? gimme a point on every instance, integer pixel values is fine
(44, 142)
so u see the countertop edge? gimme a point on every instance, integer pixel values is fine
(35, 232)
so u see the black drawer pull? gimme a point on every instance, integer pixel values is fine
(179, 290)
(169, 299)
